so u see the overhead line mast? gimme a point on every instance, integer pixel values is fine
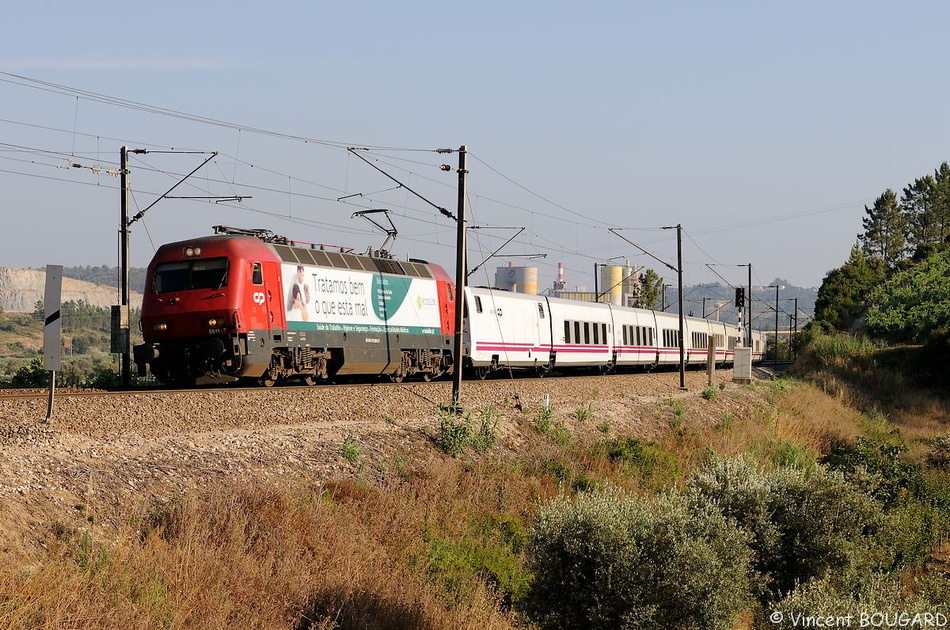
(461, 274)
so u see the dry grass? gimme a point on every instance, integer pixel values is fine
(261, 557)
(417, 544)
(784, 422)
(885, 385)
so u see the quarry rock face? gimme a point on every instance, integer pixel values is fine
(21, 289)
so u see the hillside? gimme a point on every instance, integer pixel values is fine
(21, 289)
(352, 507)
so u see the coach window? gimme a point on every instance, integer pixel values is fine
(577, 332)
(478, 304)
(257, 274)
(567, 331)
(603, 333)
(541, 310)
(596, 334)
(586, 332)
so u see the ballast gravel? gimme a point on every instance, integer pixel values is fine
(107, 454)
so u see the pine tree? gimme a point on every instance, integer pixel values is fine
(927, 204)
(651, 286)
(843, 295)
(885, 230)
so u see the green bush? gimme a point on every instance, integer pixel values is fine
(32, 375)
(454, 431)
(486, 434)
(561, 435)
(912, 304)
(876, 468)
(489, 550)
(544, 418)
(103, 377)
(939, 456)
(646, 458)
(606, 560)
(679, 409)
(788, 454)
(458, 431)
(802, 524)
(877, 594)
(350, 449)
(828, 350)
(909, 534)
(584, 412)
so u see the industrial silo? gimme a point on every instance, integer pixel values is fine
(611, 284)
(517, 279)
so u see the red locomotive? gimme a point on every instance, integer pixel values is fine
(250, 304)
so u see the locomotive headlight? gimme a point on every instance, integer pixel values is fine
(192, 251)
(159, 326)
(214, 321)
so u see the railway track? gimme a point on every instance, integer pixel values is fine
(762, 372)
(25, 394)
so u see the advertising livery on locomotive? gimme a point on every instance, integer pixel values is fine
(246, 304)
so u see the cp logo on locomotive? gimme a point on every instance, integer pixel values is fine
(258, 297)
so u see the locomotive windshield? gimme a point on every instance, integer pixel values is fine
(202, 273)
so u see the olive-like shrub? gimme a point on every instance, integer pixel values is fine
(801, 523)
(607, 560)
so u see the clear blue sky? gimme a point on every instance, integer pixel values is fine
(763, 128)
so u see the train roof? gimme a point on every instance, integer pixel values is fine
(253, 245)
(312, 255)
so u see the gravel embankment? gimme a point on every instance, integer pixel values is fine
(108, 454)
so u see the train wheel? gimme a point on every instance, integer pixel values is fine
(481, 372)
(266, 380)
(308, 380)
(397, 377)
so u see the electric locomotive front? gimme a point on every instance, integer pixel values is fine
(204, 299)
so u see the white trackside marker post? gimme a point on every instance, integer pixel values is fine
(53, 327)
